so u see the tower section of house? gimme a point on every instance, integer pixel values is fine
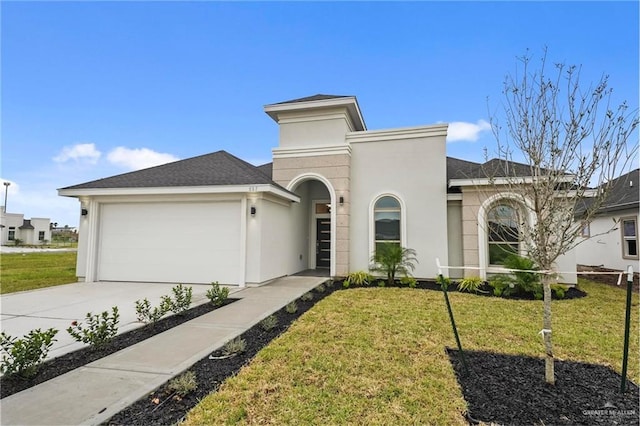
(358, 187)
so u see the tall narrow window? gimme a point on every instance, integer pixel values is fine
(386, 214)
(503, 234)
(629, 238)
(40, 235)
(12, 233)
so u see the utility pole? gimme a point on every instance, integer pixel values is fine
(6, 192)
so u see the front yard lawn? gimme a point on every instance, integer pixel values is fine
(28, 271)
(378, 355)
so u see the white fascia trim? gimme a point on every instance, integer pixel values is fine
(311, 151)
(400, 133)
(499, 181)
(350, 102)
(454, 197)
(178, 190)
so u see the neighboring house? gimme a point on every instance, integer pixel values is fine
(28, 231)
(333, 192)
(611, 238)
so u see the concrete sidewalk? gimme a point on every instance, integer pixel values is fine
(93, 393)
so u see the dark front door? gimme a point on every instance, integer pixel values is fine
(323, 243)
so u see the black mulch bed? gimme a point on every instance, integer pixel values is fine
(510, 390)
(161, 407)
(487, 291)
(72, 360)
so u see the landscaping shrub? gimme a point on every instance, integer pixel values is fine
(518, 282)
(470, 284)
(392, 259)
(99, 329)
(24, 356)
(181, 299)
(409, 281)
(321, 288)
(269, 323)
(359, 278)
(183, 384)
(234, 346)
(291, 307)
(217, 294)
(308, 296)
(148, 314)
(559, 290)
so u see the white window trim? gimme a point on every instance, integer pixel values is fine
(372, 222)
(625, 239)
(483, 243)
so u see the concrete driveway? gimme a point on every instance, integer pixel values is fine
(58, 306)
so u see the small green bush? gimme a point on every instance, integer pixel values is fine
(559, 290)
(148, 314)
(307, 296)
(502, 285)
(321, 288)
(444, 282)
(470, 284)
(269, 323)
(526, 282)
(99, 329)
(217, 294)
(409, 281)
(292, 307)
(181, 299)
(183, 384)
(359, 278)
(234, 346)
(24, 356)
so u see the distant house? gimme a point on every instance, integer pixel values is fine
(334, 192)
(32, 231)
(611, 238)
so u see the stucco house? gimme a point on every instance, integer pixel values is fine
(13, 227)
(611, 238)
(332, 193)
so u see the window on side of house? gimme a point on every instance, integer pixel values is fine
(586, 229)
(386, 215)
(12, 233)
(40, 235)
(503, 233)
(629, 237)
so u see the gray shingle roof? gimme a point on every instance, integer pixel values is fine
(267, 169)
(623, 193)
(318, 97)
(218, 168)
(26, 224)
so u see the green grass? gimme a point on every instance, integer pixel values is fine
(377, 355)
(28, 271)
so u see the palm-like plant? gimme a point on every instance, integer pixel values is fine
(392, 259)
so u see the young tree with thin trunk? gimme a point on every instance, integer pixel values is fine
(573, 143)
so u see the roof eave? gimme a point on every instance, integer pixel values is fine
(350, 102)
(178, 190)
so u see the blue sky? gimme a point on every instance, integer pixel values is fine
(94, 89)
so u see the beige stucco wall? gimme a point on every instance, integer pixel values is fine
(454, 237)
(336, 169)
(472, 200)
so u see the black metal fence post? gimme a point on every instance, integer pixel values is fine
(627, 324)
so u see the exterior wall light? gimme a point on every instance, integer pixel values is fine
(341, 200)
(253, 210)
(84, 212)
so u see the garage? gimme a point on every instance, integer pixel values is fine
(169, 242)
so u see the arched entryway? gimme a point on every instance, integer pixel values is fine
(316, 220)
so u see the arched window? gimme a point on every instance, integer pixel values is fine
(386, 216)
(503, 234)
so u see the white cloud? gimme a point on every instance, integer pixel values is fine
(138, 158)
(463, 131)
(85, 152)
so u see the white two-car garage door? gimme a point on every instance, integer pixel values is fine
(170, 242)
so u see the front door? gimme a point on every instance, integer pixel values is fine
(323, 243)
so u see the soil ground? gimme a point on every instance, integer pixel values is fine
(609, 279)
